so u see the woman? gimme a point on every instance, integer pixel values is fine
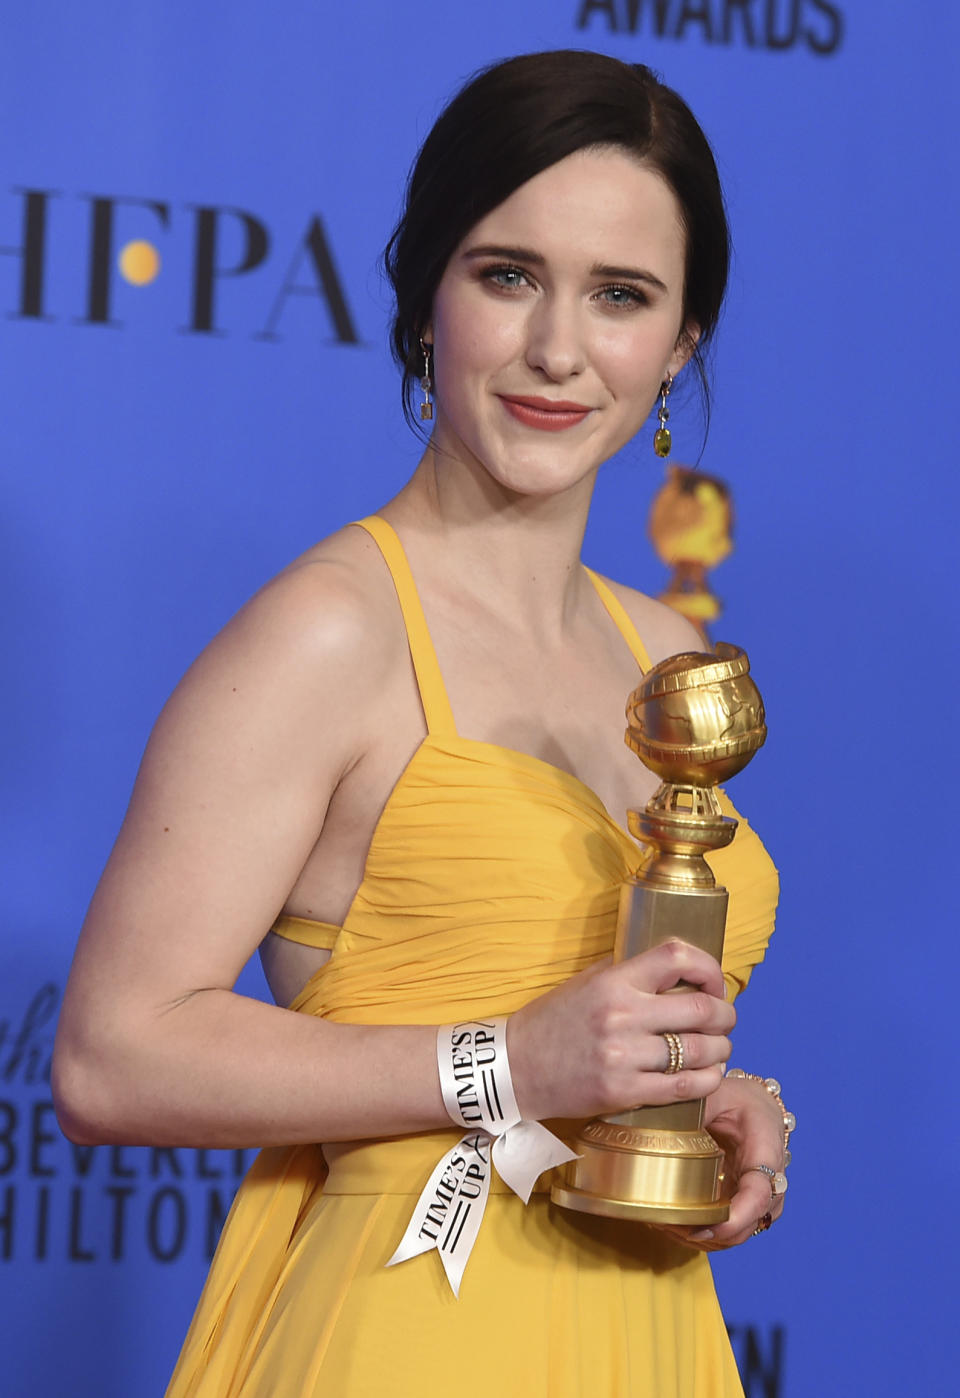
(401, 755)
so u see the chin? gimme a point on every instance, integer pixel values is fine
(541, 482)
(549, 471)
(536, 469)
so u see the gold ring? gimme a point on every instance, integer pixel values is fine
(675, 1048)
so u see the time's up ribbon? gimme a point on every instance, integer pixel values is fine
(478, 1094)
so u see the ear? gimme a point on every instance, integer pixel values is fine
(686, 344)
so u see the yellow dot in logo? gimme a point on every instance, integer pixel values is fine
(139, 262)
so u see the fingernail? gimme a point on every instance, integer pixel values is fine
(703, 1236)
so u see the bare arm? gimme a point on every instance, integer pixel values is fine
(153, 1044)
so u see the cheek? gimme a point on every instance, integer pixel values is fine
(632, 364)
(473, 335)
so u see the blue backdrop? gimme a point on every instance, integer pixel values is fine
(196, 387)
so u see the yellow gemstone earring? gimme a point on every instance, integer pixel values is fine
(426, 383)
(661, 438)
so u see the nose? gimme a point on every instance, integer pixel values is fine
(555, 339)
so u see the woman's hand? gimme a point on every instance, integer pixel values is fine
(595, 1043)
(747, 1122)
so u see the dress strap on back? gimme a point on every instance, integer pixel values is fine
(433, 691)
(621, 620)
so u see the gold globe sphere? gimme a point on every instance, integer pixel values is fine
(697, 718)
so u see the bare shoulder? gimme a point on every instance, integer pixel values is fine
(663, 631)
(336, 601)
(325, 625)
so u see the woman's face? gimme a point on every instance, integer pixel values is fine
(557, 319)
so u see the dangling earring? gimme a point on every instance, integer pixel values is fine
(426, 383)
(661, 438)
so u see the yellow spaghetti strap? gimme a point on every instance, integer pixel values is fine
(433, 691)
(621, 620)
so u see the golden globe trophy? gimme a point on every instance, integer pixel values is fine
(694, 720)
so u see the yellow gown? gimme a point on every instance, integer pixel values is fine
(492, 876)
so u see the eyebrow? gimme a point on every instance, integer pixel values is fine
(536, 259)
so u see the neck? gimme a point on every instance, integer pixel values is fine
(517, 554)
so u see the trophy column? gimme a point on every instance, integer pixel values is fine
(695, 720)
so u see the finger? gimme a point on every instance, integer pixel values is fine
(741, 1225)
(687, 1234)
(671, 963)
(749, 1204)
(657, 1089)
(696, 1010)
(698, 1050)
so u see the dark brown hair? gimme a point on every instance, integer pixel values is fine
(519, 117)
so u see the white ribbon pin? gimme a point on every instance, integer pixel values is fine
(478, 1093)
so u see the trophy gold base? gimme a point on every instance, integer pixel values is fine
(646, 1174)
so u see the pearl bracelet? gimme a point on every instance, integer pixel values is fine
(773, 1087)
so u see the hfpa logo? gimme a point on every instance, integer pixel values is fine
(138, 262)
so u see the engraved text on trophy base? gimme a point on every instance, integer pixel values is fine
(606, 1133)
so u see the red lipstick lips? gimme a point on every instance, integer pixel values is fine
(546, 414)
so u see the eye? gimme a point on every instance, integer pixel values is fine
(507, 277)
(623, 297)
